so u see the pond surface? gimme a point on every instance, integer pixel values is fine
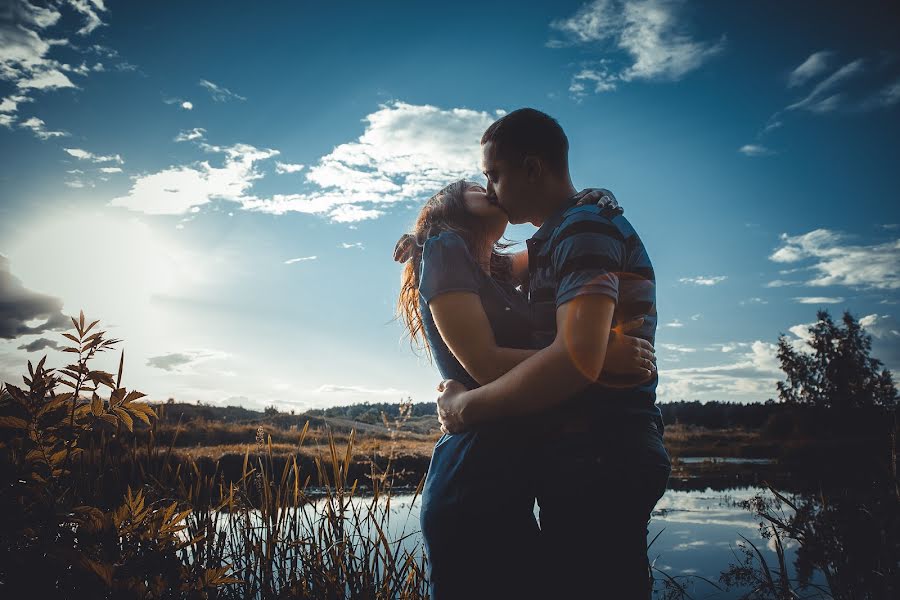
(699, 536)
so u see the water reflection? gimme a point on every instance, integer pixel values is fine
(699, 535)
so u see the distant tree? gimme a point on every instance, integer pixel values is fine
(835, 370)
(270, 410)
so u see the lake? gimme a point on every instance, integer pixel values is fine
(699, 535)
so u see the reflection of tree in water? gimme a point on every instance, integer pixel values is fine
(851, 538)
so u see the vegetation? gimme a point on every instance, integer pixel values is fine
(89, 511)
(108, 496)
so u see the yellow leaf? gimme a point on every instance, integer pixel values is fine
(125, 417)
(96, 405)
(13, 423)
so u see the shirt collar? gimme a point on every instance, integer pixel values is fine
(555, 219)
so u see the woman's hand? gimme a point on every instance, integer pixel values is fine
(629, 356)
(450, 406)
(603, 198)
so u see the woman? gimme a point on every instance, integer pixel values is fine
(458, 298)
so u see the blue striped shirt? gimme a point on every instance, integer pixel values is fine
(582, 250)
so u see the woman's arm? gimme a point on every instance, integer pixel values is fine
(464, 327)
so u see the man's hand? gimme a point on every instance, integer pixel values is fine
(450, 405)
(629, 356)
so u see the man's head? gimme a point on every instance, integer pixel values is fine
(525, 157)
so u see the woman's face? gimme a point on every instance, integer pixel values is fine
(477, 204)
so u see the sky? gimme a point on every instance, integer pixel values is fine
(223, 187)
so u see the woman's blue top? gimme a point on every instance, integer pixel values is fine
(484, 469)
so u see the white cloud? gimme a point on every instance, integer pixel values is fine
(705, 280)
(751, 377)
(885, 97)
(282, 168)
(676, 348)
(37, 127)
(346, 246)
(754, 300)
(777, 283)
(196, 133)
(880, 326)
(818, 300)
(110, 170)
(89, 9)
(187, 105)
(755, 150)
(696, 317)
(177, 189)
(218, 92)
(299, 259)
(836, 262)
(406, 152)
(813, 66)
(674, 323)
(85, 155)
(821, 99)
(649, 32)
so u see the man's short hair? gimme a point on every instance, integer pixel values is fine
(529, 132)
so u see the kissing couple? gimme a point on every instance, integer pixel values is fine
(549, 389)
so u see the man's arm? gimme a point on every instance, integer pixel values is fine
(568, 365)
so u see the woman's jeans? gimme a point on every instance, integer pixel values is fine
(596, 492)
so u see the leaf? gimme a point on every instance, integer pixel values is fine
(108, 418)
(13, 423)
(139, 414)
(96, 405)
(89, 327)
(125, 417)
(134, 395)
(81, 321)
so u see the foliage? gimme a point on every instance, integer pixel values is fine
(837, 371)
(89, 509)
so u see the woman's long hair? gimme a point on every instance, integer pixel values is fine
(445, 211)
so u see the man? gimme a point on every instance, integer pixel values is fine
(601, 465)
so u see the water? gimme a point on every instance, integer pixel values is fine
(699, 536)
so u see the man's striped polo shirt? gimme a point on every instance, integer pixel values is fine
(583, 250)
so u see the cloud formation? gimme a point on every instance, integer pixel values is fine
(835, 261)
(755, 150)
(704, 280)
(218, 92)
(181, 362)
(813, 66)
(650, 33)
(749, 377)
(406, 152)
(21, 307)
(25, 54)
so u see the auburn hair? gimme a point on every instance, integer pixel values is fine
(445, 211)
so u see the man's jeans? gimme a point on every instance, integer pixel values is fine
(596, 493)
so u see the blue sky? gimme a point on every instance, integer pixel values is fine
(223, 187)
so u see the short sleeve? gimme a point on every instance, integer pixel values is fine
(447, 266)
(587, 254)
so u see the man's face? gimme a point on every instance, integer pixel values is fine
(507, 184)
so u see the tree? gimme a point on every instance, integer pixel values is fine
(834, 368)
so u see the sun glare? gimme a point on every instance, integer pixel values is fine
(102, 263)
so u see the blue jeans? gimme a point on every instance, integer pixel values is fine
(596, 493)
(477, 519)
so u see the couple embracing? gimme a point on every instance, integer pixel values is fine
(549, 383)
